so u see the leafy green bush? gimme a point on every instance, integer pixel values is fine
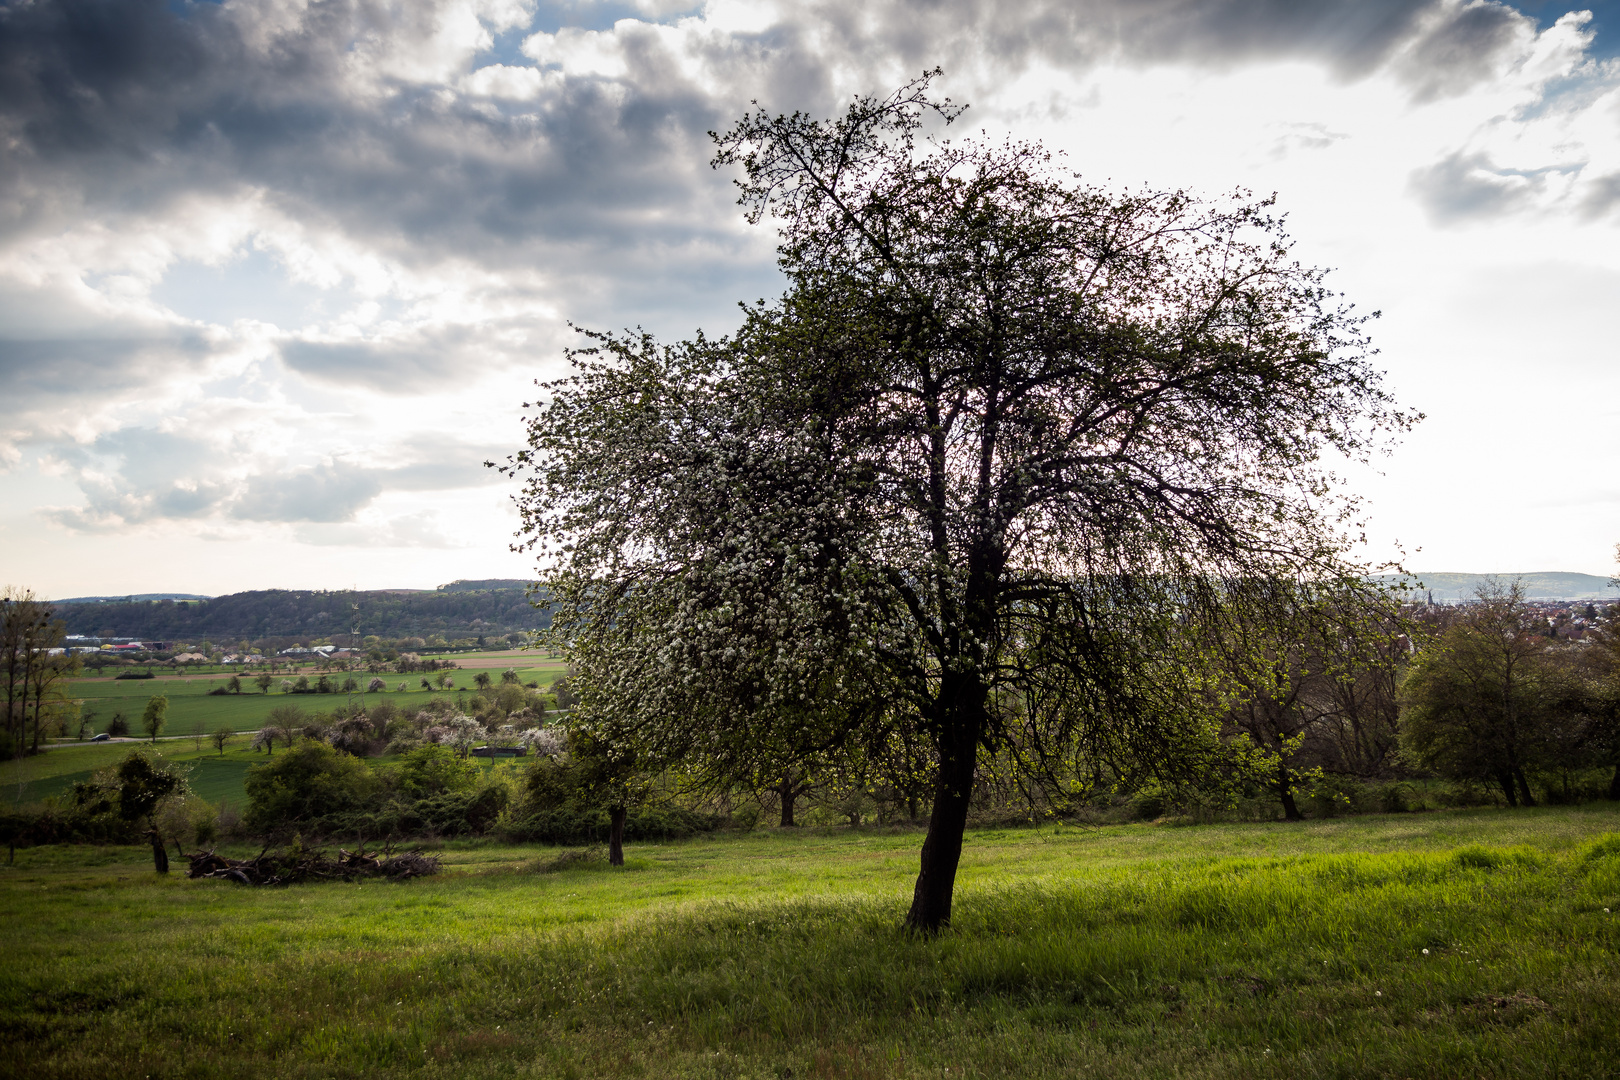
(463, 813)
(434, 770)
(304, 787)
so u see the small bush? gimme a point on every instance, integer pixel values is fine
(191, 821)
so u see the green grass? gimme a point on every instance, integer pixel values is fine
(1226, 950)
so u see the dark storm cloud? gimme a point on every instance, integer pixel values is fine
(132, 103)
(1462, 49)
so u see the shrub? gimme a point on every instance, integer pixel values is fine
(353, 735)
(513, 697)
(434, 770)
(305, 786)
(191, 821)
(557, 809)
(463, 813)
(383, 716)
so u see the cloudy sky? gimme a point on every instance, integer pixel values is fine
(276, 276)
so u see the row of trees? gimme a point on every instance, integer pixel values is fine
(1492, 697)
(36, 700)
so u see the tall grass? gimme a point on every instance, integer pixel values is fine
(1130, 951)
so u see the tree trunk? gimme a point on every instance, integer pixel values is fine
(1285, 792)
(616, 816)
(785, 791)
(1614, 785)
(1505, 779)
(1524, 786)
(942, 850)
(160, 855)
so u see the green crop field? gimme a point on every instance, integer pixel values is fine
(191, 704)
(1458, 944)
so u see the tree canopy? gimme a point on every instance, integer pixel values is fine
(1004, 448)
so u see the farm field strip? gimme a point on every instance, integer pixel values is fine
(190, 702)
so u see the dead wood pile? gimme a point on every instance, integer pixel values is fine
(294, 865)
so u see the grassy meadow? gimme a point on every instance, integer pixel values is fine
(1256, 950)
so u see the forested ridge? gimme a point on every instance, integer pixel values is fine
(451, 611)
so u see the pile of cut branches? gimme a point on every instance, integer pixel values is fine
(293, 865)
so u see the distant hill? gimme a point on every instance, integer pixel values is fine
(145, 596)
(484, 584)
(274, 613)
(1544, 585)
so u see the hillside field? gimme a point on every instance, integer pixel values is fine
(1437, 945)
(189, 700)
(213, 777)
